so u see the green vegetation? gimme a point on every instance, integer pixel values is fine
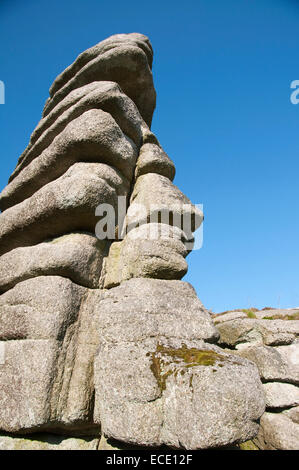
(248, 445)
(250, 313)
(190, 356)
(295, 316)
(184, 356)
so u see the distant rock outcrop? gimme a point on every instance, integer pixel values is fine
(100, 338)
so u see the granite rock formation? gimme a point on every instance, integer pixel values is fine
(99, 337)
(270, 339)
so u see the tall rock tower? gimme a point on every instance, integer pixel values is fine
(99, 337)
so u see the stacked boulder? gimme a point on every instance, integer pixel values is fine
(99, 337)
(270, 339)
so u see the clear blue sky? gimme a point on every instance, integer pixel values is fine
(222, 72)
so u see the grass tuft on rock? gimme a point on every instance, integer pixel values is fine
(295, 316)
(250, 313)
(248, 445)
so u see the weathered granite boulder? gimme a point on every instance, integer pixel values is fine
(152, 250)
(125, 59)
(277, 432)
(77, 256)
(41, 323)
(152, 159)
(98, 335)
(93, 136)
(156, 199)
(293, 414)
(167, 385)
(65, 205)
(228, 316)
(281, 395)
(267, 332)
(47, 442)
(274, 363)
(269, 338)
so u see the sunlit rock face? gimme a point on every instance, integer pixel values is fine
(270, 339)
(99, 336)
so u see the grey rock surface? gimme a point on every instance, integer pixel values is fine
(49, 346)
(152, 400)
(39, 308)
(147, 307)
(65, 205)
(155, 199)
(152, 159)
(278, 432)
(224, 317)
(274, 363)
(125, 63)
(27, 378)
(47, 442)
(153, 371)
(293, 414)
(281, 395)
(268, 332)
(269, 338)
(111, 42)
(94, 136)
(77, 256)
(152, 250)
(105, 95)
(102, 339)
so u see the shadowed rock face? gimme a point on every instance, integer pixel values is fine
(101, 336)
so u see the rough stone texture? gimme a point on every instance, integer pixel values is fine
(274, 363)
(39, 308)
(281, 395)
(110, 444)
(65, 205)
(104, 95)
(101, 338)
(26, 383)
(152, 159)
(148, 406)
(154, 197)
(77, 256)
(147, 399)
(46, 380)
(290, 355)
(153, 307)
(47, 442)
(224, 317)
(110, 43)
(269, 338)
(152, 250)
(94, 136)
(277, 432)
(268, 332)
(124, 61)
(293, 414)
